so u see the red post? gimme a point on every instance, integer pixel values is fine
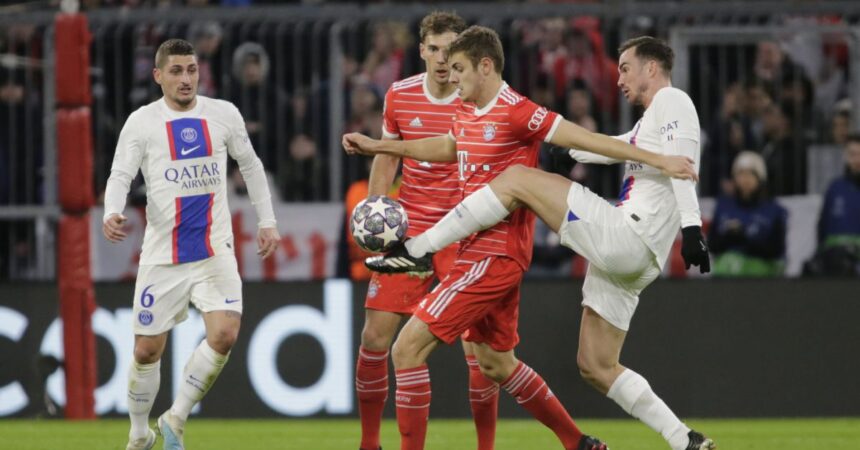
(75, 161)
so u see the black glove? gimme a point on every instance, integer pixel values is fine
(560, 161)
(694, 249)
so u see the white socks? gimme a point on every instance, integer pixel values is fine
(143, 382)
(634, 395)
(477, 212)
(199, 375)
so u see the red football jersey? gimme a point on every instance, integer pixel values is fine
(506, 132)
(428, 190)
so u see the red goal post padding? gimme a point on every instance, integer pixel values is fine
(77, 304)
(75, 159)
(72, 44)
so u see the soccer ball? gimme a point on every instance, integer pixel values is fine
(378, 223)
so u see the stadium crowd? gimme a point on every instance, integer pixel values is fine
(779, 117)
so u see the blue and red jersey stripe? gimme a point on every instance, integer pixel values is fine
(626, 187)
(193, 228)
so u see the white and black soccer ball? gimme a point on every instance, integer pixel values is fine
(378, 223)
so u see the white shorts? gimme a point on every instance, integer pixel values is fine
(620, 264)
(162, 292)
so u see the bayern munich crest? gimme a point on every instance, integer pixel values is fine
(489, 132)
(188, 135)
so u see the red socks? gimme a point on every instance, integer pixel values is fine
(535, 396)
(371, 384)
(484, 400)
(413, 406)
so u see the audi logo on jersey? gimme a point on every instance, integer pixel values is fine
(537, 118)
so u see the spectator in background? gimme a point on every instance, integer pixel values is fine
(784, 151)
(579, 106)
(301, 171)
(257, 99)
(748, 230)
(586, 60)
(728, 135)
(384, 63)
(826, 160)
(206, 38)
(839, 224)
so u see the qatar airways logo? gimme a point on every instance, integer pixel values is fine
(194, 176)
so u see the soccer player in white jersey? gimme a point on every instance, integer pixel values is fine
(626, 244)
(180, 143)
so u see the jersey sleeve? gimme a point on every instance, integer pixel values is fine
(239, 147)
(676, 116)
(390, 130)
(679, 135)
(530, 121)
(126, 162)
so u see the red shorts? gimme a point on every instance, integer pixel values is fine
(400, 293)
(478, 300)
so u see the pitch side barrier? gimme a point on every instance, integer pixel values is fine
(718, 348)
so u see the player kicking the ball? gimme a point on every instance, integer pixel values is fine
(495, 128)
(626, 245)
(416, 107)
(181, 143)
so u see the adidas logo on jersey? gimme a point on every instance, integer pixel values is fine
(416, 122)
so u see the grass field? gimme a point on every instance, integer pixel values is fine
(204, 434)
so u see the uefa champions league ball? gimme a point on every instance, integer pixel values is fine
(378, 223)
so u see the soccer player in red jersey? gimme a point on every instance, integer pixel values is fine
(495, 128)
(417, 107)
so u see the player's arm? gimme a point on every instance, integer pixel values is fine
(382, 173)
(682, 140)
(126, 163)
(571, 135)
(593, 158)
(432, 149)
(384, 167)
(239, 147)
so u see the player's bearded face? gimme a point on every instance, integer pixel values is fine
(433, 52)
(178, 79)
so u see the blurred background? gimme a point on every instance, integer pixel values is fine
(776, 85)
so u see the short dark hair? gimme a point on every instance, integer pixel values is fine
(647, 47)
(172, 47)
(853, 138)
(439, 22)
(477, 43)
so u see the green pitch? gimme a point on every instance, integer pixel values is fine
(292, 434)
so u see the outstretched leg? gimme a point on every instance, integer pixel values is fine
(542, 192)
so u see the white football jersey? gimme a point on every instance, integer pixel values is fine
(647, 195)
(183, 158)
